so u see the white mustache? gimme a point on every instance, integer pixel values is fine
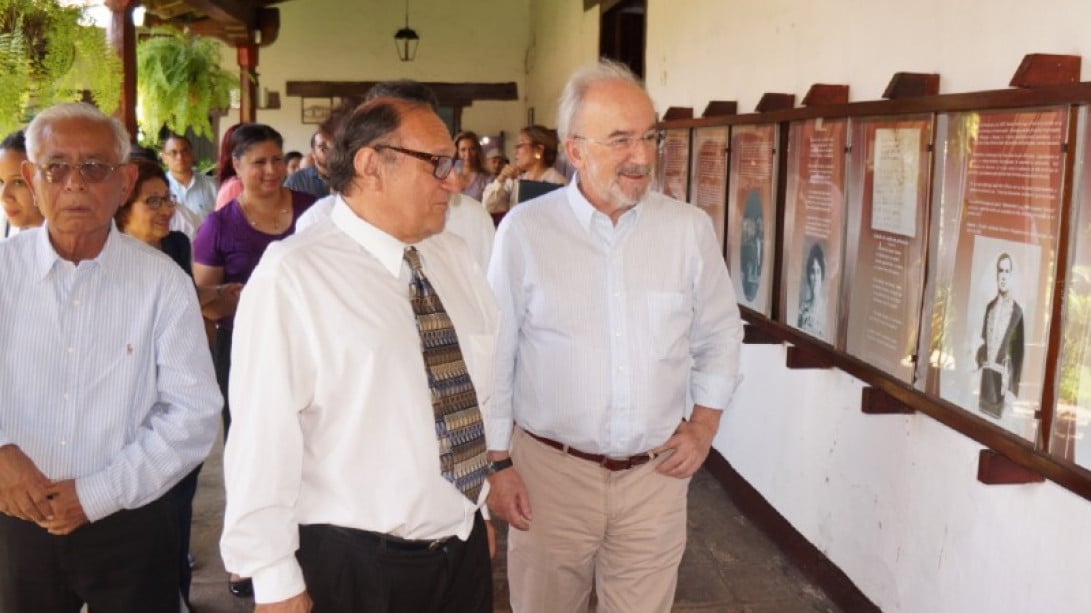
(642, 170)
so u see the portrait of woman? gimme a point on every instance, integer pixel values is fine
(812, 294)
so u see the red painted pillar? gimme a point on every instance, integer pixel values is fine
(248, 68)
(122, 36)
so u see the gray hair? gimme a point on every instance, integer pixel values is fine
(69, 111)
(578, 84)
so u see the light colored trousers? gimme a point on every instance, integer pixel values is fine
(626, 530)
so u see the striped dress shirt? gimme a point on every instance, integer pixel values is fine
(609, 334)
(106, 376)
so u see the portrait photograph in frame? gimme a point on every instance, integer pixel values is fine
(996, 225)
(751, 213)
(814, 226)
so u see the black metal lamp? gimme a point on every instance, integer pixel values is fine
(406, 40)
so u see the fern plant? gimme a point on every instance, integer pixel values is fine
(179, 82)
(47, 56)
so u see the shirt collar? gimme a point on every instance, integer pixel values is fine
(387, 249)
(585, 211)
(46, 257)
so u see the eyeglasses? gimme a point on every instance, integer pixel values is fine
(155, 202)
(92, 172)
(651, 138)
(441, 164)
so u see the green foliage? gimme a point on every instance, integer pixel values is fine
(179, 82)
(1077, 323)
(47, 57)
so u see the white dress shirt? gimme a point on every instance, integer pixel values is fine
(332, 419)
(609, 333)
(199, 196)
(185, 221)
(107, 377)
(466, 218)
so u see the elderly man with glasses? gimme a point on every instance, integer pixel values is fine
(618, 350)
(107, 394)
(356, 466)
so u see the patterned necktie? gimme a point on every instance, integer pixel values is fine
(459, 429)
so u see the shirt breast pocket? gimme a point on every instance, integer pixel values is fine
(669, 318)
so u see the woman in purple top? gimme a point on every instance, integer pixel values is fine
(232, 240)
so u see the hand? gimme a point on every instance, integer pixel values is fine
(508, 499)
(690, 443)
(510, 171)
(67, 511)
(490, 531)
(23, 488)
(300, 603)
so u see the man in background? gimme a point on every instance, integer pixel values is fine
(313, 179)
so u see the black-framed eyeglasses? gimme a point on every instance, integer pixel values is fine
(155, 202)
(92, 172)
(441, 164)
(651, 138)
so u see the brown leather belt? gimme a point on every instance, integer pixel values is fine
(603, 461)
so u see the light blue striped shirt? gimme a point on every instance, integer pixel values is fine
(106, 375)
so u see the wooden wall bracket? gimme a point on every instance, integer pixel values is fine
(822, 94)
(912, 85)
(874, 401)
(756, 335)
(800, 358)
(721, 108)
(678, 112)
(775, 102)
(1041, 69)
(994, 468)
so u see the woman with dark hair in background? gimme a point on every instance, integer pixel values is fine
(225, 171)
(812, 298)
(233, 239)
(18, 201)
(146, 216)
(471, 173)
(535, 153)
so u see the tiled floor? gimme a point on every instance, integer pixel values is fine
(729, 566)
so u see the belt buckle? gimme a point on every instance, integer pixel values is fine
(436, 544)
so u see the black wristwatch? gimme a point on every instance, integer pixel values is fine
(494, 467)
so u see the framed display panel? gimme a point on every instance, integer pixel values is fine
(996, 223)
(886, 238)
(814, 226)
(708, 175)
(673, 174)
(751, 214)
(1071, 435)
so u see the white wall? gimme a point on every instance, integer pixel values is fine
(700, 50)
(353, 40)
(892, 500)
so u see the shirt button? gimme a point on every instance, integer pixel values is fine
(75, 303)
(67, 396)
(63, 442)
(71, 350)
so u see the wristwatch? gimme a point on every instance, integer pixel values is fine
(494, 467)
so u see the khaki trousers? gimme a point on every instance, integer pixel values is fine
(625, 530)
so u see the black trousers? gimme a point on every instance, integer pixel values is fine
(352, 571)
(183, 494)
(127, 562)
(221, 361)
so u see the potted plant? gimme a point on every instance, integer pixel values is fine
(179, 82)
(47, 56)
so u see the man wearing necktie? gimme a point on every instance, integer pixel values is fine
(364, 351)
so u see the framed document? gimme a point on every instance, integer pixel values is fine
(887, 189)
(708, 175)
(674, 164)
(995, 226)
(751, 213)
(814, 226)
(1071, 436)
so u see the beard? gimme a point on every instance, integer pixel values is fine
(616, 195)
